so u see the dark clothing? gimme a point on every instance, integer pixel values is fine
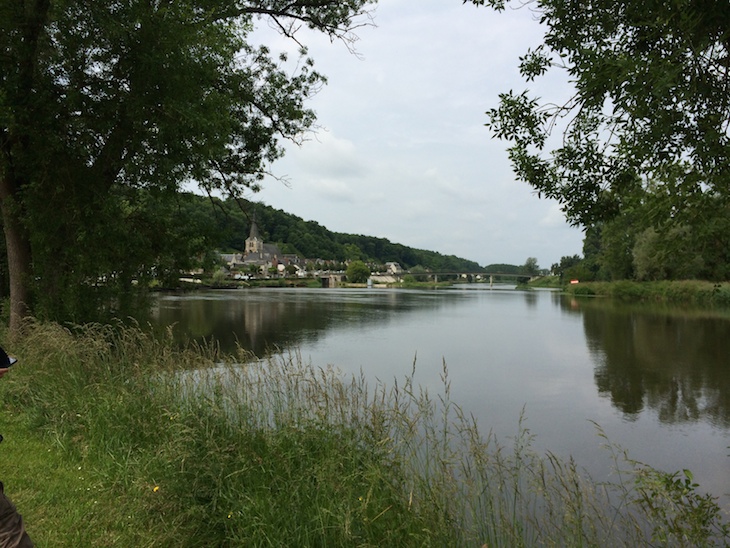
(12, 531)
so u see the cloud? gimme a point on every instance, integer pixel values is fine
(405, 154)
(553, 217)
(333, 190)
(326, 154)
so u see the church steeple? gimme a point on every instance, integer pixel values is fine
(254, 242)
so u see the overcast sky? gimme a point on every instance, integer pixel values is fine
(403, 152)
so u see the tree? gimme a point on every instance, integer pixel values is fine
(98, 99)
(565, 263)
(618, 237)
(419, 273)
(92, 258)
(649, 116)
(672, 257)
(352, 252)
(531, 267)
(357, 272)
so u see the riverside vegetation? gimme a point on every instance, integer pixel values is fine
(116, 437)
(691, 292)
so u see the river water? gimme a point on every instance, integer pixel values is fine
(656, 379)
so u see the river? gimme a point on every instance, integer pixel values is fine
(656, 379)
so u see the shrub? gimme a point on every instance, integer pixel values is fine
(584, 290)
(628, 291)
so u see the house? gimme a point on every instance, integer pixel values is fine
(393, 268)
(232, 260)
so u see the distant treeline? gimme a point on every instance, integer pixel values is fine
(310, 240)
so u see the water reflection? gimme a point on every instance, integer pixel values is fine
(265, 320)
(657, 380)
(670, 361)
(530, 299)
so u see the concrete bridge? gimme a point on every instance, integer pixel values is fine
(335, 279)
(491, 276)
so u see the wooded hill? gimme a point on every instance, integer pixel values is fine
(310, 240)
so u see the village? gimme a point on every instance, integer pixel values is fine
(265, 260)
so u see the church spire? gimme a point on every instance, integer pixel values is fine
(254, 242)
(254, 228)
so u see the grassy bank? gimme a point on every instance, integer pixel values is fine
(114, 438)
(551, 282)
(682, 292)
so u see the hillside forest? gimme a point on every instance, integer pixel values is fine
(310, 240)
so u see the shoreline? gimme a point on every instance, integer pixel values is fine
(691, 292)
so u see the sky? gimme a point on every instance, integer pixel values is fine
(402, 151)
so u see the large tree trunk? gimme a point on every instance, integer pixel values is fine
(18, 250)
(29, 18)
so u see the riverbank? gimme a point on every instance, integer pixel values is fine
(692, 292)
(114, 438)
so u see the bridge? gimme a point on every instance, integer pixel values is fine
(469, 273)
(462, 274)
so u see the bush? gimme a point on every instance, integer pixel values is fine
(628, 291)
(721, 294)
(583, 290)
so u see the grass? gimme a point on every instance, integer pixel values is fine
(414, 284)
(552, 282)
(116, 438)
(63, 499)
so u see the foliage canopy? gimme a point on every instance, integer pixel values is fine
(648, 122)
(358, 272)
(310, 240)
(99, 99)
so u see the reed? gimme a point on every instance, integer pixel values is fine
(197, 448)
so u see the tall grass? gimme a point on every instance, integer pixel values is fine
(201, 449)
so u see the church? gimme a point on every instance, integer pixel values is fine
(259, 253)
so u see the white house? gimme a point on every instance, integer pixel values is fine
(393, 268)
